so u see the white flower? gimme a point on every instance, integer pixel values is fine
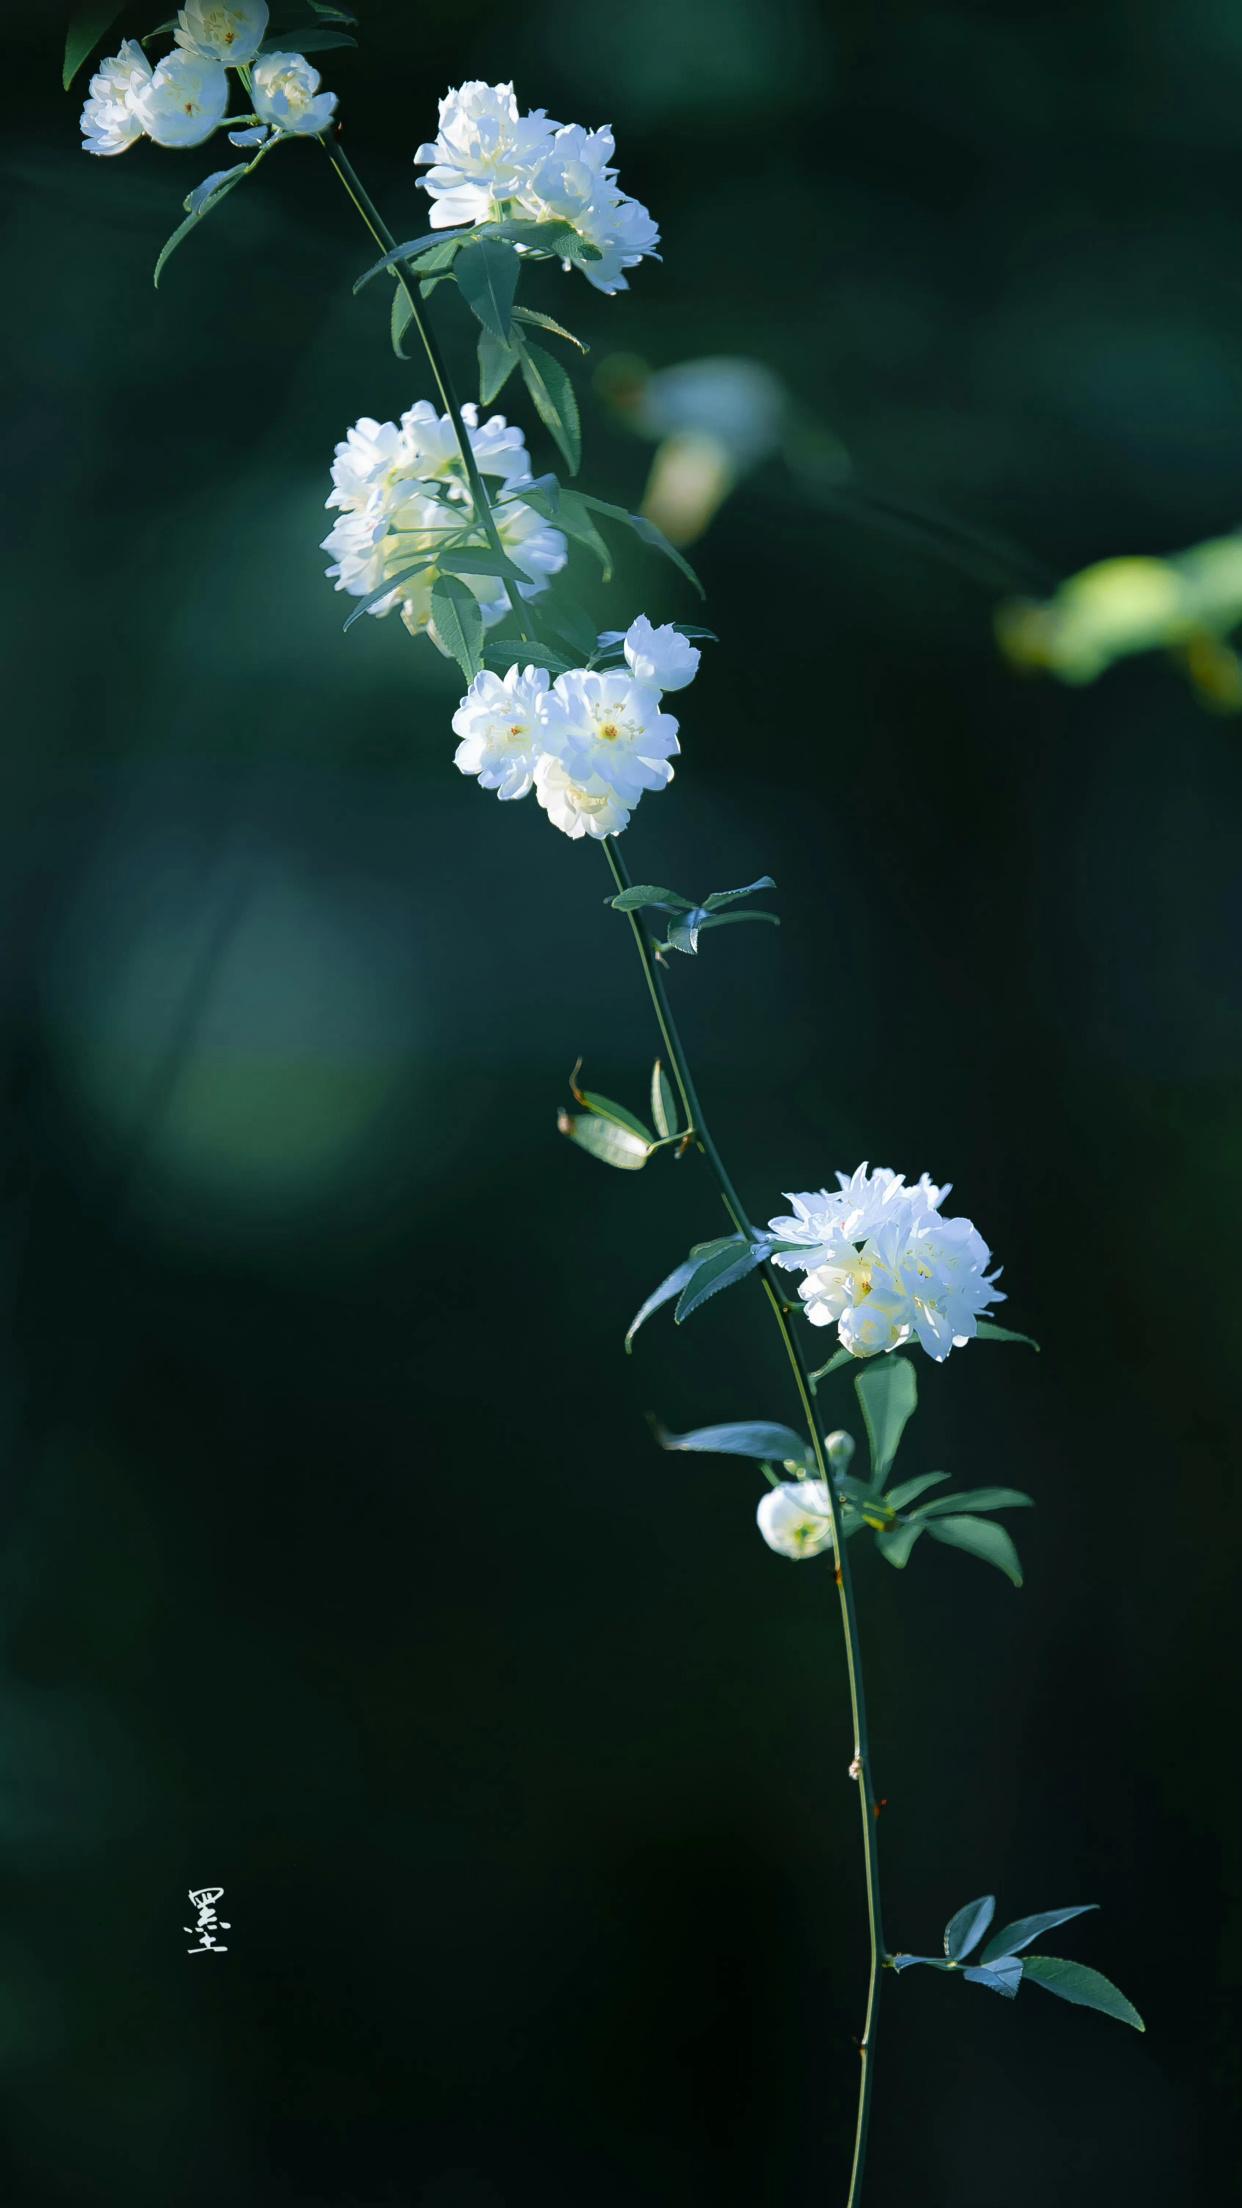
(578, 805)
(482, 155)
(660, 655)
(794, 1518)
(184, 99)
(500, 723)
(883, 1265)
(575, 183)
(109, 123)
(402, 494)
(610, 727)
(223, 30)
(287, 95)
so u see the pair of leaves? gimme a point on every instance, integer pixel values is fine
(1002, 1967)
(614, 1134)
(710, 1268)
(888, 1394)
(687, 920)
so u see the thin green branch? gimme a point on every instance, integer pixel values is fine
(860, 1768)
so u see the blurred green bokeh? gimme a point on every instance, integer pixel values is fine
(337, 1564)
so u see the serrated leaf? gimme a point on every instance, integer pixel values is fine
(757, 1438)
(967, 1926)
(478, 559)
(838, 1358)
(552, 396)
(905, 1492)
(986, 1331)
(402, 575)
(195, 202)
(668, 1288)
(497, 361)
(417, 249)
(646, 893)
(86, 29)
(459, 623)
(571, 516)
(896, 1543)
(1005, 1977)
(721, 897)
(978, 1537)
(977, 1498)
(487, 277)
(1023, 1930)
(223, 182)
(1089, 1989)
(888, 1393)
(545, 322)
(612, 1145)
(648, 532)
(519, 651)
(724, 1270)
(663, 1102)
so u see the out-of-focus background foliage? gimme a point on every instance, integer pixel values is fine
(337, 1566)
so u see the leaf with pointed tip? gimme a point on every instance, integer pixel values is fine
(646, 893)
(665, 1293)
(402, 575)
(986, 1331)
(656, 538)
(1090, 1989)
(604, 1108)
(519, 651)
(459, 623)
(568, 621)
(977, 1498)
(478, 559)
(612, 1145)
(978, 1537)
(967, 1926)
(888, 1392)
(571, 516)
(723, 1270)
(445, 249)
(908, 1962)
(86, 29)
(896, 1543)
(1004, 1977)
(497, 361)
(748, 1438)
(215, 188)
(1025, 1929)
(721, 897)
(487, 277)
(663, 1102)
(838, 1358)
(552, 396)
(557, 238)
(545, 322)
(906, 1491)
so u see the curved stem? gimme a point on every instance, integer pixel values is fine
(860, 1769)
(344, 169)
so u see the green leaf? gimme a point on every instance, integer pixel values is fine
(519, 650)
(399, 319)
(646, 893)
(402, 575)
(895, 1544)
(721, 897)
(86, 29)
(487, 277)
(1025, 1929)
(967, 1926)
(418, 249)
(977, 1498)
(979, 1537)
(905, 1493)
(1004, 1977)
(985, 1331)
(663, 1102)
(308, 41)
(545, 322)
(478, 559)
(573, 518)
(552, 395)
(1089, 1988)
(604, 1108)
(557, 238)
(888, 1392)
(497, 362)
(330, 12)
(567, 621)
(684, 934)
(724, 1270)
(838, 1358)
(222, 183)
(648, 532)
(908, 1962)
(750, 1438)
(611, 1144)
(665, 1293)
(455, 611)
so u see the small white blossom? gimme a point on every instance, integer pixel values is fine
(795, 1518)
(884, 1266)
(184, 99)
(287, 95)
(500, 723)
(223, 30)
(609, 727)
(482, 155)
(660, 655)
(574, 183)
(109, 123)
(839, 1449)
(577, 804)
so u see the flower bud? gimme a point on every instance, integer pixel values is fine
(839, 1449)
(795, 1518)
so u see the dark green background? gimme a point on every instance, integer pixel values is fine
(337, 1565)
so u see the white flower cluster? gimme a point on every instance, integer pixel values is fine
(490, 161)
(883, 1265)
(588, 744)
(403, 494)
(184, 98)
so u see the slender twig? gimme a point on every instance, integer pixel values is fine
(860, 1769)
(345, 171)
